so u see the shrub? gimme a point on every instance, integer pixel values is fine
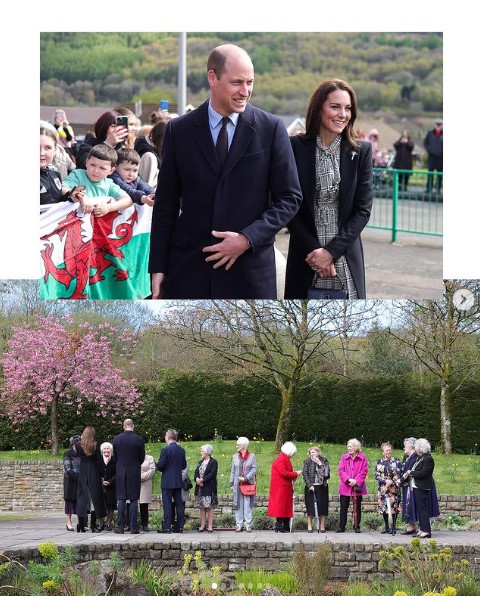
(425, 565)
(312, 570)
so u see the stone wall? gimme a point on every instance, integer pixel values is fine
(349, 560)
(29, 486)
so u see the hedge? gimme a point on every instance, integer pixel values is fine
(333, 409)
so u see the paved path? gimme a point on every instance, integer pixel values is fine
(42, 526)
(412, 267)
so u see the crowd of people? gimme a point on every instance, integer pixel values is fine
(402, 156)
(100, 479)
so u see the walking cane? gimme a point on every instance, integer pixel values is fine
(293, 506)
(389, 512)
(354, 500)
(315, 504)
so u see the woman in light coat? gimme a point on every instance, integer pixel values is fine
(243, 470)
(147, 471)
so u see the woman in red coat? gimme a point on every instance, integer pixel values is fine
(280, 501)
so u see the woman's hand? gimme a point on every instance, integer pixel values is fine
(321, 262)
(116, 134)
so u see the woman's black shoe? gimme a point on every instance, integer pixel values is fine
(408, 532)
(69, 529)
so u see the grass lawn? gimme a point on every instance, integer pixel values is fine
(454, 474)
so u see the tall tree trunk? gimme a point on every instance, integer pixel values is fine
(445, 417)
(284, 420)
(54, 424)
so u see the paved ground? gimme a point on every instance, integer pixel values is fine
(412, 267)
(43, 526)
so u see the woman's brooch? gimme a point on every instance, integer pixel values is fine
(354, 153)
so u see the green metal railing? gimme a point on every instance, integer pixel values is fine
(407, 201)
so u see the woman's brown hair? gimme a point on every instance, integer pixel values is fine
(87, 440)
(315, 106)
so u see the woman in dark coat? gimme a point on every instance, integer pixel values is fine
(90, 489)
(403, 158)
(107, 468)
(280, 499)
(421, 481)
(71, 469)
(335, 171)
(316, 472)
(205, 479)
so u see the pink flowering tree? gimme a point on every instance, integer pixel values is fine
(51, 362)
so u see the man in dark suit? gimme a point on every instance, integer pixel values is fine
(129, 452)
(171, 463)
(228, 183)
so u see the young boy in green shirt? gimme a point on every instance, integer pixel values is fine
(84, 186)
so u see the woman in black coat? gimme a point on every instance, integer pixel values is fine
(335, 170)
(71, 469)
(421, 479)
(107, 467)
(205, 479)
(403, 158)
(90, 489)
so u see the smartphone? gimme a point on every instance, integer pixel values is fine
(121, 121)
(164, 104)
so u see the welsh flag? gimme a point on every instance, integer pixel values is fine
(102, 258)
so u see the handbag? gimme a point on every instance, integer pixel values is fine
(358, 488)
(248, 490)
(327, 294)
(187, 484)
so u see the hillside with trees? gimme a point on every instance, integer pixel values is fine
(401, 73)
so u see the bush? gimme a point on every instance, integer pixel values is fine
(424, 565)
(311, 570)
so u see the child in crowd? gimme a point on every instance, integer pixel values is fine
(50, 179)
(94, 182)
(127, 178)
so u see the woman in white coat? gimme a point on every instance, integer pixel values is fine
(147, 472)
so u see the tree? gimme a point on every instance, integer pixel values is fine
(49, 362)
(274, 340)
(445, 338)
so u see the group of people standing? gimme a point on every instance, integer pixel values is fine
(405, 487)
(99, 479)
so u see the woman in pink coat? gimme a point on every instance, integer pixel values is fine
(280, 500)
(352, 469)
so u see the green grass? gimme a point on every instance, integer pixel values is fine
(454, 474)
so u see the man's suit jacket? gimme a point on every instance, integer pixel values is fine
(129, 452)
(355, 204)
(171, 463)
(257, 194)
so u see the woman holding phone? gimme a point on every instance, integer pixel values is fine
(111, 128)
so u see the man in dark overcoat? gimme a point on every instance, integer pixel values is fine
(171, 463)
(217, 212)
(129, 452)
